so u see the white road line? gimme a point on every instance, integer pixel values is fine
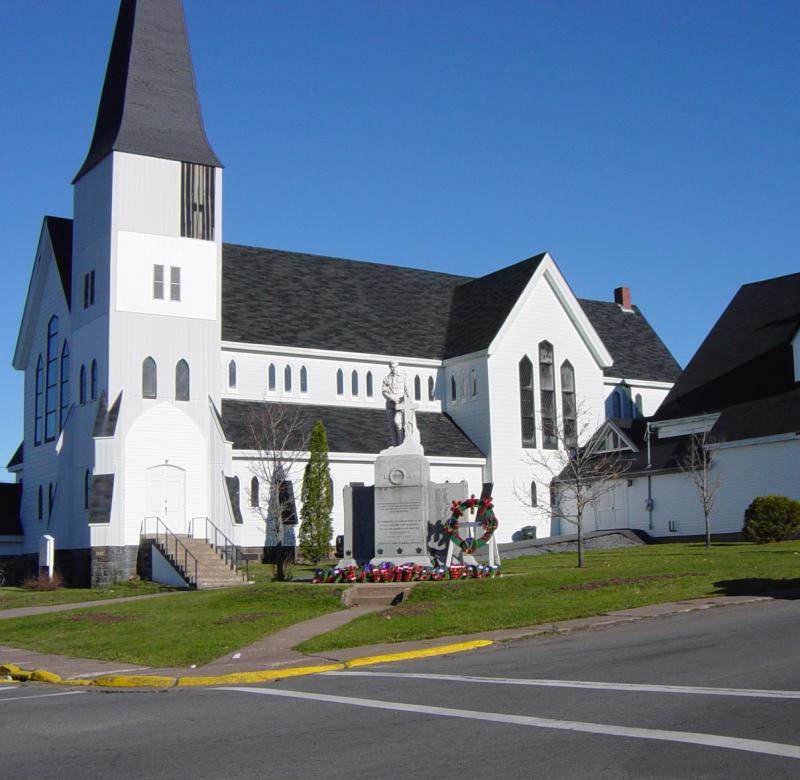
(4, 689)
(41, 696)
(753, 693)
(688, 737)
(101, 674)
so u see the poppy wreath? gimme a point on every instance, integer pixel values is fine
(485, 517)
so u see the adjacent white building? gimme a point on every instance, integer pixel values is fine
(740, 398)
(147, 343)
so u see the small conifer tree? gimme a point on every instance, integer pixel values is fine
(316, 528)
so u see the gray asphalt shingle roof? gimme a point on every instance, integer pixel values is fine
(149, 104)
(271, 296)
(350, 429)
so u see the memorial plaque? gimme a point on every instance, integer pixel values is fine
(441, 496)
(401, 508)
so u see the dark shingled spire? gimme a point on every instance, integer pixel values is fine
(149, 104)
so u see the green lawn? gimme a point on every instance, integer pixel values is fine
(187, 628)
(11, 598)
(548, 588)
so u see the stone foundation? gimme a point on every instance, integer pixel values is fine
(113, 564)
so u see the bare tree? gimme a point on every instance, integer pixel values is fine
(698, 466)
(576, 476)
(279, 435)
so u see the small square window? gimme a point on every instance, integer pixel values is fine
(158, 282)
(174, 284)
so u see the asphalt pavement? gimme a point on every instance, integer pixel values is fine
(709, 694)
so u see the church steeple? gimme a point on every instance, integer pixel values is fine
(149, 104)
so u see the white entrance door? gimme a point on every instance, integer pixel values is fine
(611, 510)
(166, 496)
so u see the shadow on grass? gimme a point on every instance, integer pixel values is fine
(759, 586)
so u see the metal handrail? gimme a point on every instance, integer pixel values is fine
(230, 552)
(179, 549)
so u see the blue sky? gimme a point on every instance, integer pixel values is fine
(648, 144)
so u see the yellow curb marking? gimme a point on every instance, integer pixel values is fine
(266, 675)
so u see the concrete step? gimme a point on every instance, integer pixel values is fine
(377, 594)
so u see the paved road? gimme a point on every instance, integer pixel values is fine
(639, 716)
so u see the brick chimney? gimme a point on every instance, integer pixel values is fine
(622, 296)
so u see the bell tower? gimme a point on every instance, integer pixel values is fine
(148, 233)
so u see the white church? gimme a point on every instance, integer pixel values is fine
(146, 342)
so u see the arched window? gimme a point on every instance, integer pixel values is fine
(51, 387)
(473, 383)
(453, 389)
(272, 378)
(526, 411)
(149, 378)
(340, 382)
(354, 383)
(333, 492)
(639, 405)
(370, 390)
(87, 488)
(303, 379)
(64, 389)
(37, 431)
(616, 405)
(232, 378)
(569, 409)
(547, 380)
(82, 386)
(182, 381)
(93, 380)
(431, 388)
(40, 506)
(287, 379)
(51, 500)
(417, 388)
(463, 385)
(254, 487)
(534, 498)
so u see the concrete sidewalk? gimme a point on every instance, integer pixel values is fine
(20, 612)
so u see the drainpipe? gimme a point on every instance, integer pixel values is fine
(650, 501)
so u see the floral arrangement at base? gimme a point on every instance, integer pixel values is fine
(485, 517)
(405, 572)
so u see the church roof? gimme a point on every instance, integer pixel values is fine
(747, 355)
(352, 429)
(638, 351)
(149, 104)
(271, 296)
(60, 231)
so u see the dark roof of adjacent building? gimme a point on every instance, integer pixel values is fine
(349, 429)
(149, 104)
(770, 416)
(747, 355)
(17, 458)
(636, 348)
(271, 296)
(60, 231)
(10, 498)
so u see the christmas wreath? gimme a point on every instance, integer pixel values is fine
(485, 517)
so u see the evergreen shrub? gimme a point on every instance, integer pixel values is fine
(772, 519)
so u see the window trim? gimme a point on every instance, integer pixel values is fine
(549, 420)
(370, 385)
(198, 201)
(354, 383)
(183, 394)
(51, 381)
(272, 378)
(64, 385)
(340, 383)
(431, 389)
(158, 282)
(149, 375)
(303, 380)
(569, 399)
(175, 284)
(38, 419)
(287, 379)
(93, 394)
(527, 395)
